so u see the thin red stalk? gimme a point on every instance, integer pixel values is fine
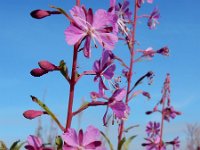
(78, 2)
(162, 124)
(72, 87)
(131, 48)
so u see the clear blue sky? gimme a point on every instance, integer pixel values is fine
(24, 41)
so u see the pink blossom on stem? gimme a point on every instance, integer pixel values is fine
(119, 108)
(175, 143)
(153, 144)
(153, 129)
(88, 26)
(153, 19)
(31, 114)
(89, 140)
(104, 68)
(170, 112)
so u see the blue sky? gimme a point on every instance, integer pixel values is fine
(25, 41)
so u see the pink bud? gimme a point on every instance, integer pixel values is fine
(39, 14)
(37, 72)
(146, 94)
(31, 114)
(47, 66)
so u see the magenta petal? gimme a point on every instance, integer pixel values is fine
(87, 49)
(119, 109)
(92, 134)
(96, 66)
(109, 73)
(70, 137)
(74, 34)
(107, 40)
(90, 16)
(29, 147)
(79, 16)
(93, 145)
(102, 86)
(119, 94)
(31, 114)
(34, 141)
(101, 19)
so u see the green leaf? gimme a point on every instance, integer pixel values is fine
(2, 146)
(108, 140)
(64, 69)
(15, 146)
(121, 144)
(128, 141)
(131, 127)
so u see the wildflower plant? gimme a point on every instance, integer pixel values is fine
(102, 29)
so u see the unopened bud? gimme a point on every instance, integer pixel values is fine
(31, 114)
(163, 51)
(37, 72)
(47, 66)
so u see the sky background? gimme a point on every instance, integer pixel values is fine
(24, 41)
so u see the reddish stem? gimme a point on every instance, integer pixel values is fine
(72, 87)
(131, 48)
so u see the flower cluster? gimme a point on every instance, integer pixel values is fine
(154, 130)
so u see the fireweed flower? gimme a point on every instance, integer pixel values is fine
(119, 108)
(123, 13)
(104, 68)
(153, 144)
(88, 26)
(89, 140)
(140, 2)
(153, 18)
(35, 143)
(169, 112)
(153, 129)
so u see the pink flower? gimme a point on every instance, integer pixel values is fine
(153, 129)
(170, 112)
(31, 114)
(35, 143)
(39, 14)
(154, 144)
(87, 26)
(153, 19)
(175, 143)
(119, 108)
(140, 2)
(90, 140)
(104, 68)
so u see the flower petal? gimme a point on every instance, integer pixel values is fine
(109, 73)
(119, 94)
(119, 109)
(74, 34)
(34, 141)
(70, 137)
(92, 134)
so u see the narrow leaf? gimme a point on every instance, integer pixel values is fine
(14, 145)
(128, 141)
(121, 144)
(108, 140)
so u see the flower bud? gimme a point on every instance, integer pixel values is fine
(37, 72)
(31, 114)
(47, 66)
(39, 14)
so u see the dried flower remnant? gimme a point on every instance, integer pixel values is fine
(86, 26)
(89, 140)
(140, 2)
(153, 18)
